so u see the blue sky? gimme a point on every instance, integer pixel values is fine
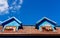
(33, 10)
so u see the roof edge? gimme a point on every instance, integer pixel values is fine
(12, 18)
(45, 18)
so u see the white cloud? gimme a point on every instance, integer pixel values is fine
(16, 6)
(4, 6)
(21, 1)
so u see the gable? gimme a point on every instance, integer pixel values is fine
(46, 23)
(45, 19)
(8, 21)
(13, 23)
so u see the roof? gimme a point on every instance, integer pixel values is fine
(28, 30)
(10, 20)
(45, 19)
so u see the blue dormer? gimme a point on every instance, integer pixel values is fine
(45, 22)
(11, 24)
